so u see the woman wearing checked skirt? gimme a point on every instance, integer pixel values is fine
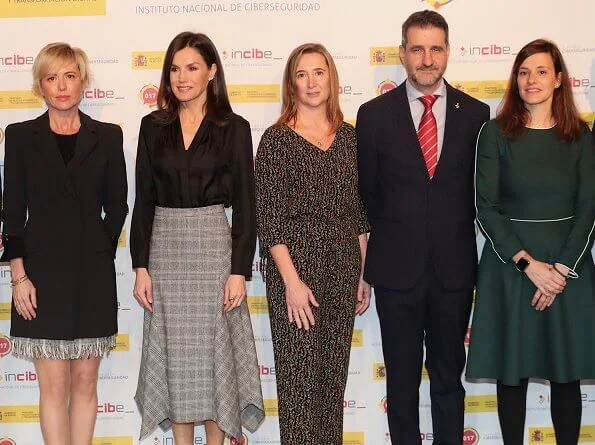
(195, 158)
(313, 233)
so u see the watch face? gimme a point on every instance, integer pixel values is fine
(522, 264)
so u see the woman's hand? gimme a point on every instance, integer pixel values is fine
(235, 292)
(299, 297)
(545, 278)
(541, 301)
(24, 297)
(363, 297)
(143, 289)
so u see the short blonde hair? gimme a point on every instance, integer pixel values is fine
(289, 105)
(55, 55)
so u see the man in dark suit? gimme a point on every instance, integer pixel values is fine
(416, 153)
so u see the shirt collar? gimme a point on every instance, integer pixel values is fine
(413, 94)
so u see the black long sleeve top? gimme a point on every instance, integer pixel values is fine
(217, 168)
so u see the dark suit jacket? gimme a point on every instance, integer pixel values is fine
(53, 219)
(415, 219)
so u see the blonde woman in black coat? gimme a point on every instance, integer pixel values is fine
(62, 171)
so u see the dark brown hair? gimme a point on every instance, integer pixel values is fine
(513, 116)
(423, 19)
(289, 106)
(217, 106)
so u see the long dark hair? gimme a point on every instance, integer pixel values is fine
(513, 115)
(217, 106)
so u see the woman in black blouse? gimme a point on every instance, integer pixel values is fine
(62, 171)
(195, 158)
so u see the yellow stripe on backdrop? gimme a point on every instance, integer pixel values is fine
(51, 8)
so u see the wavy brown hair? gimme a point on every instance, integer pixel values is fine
(289, 106)
(217, 106)
(513, 116)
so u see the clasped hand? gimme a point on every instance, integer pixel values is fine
(548, 281)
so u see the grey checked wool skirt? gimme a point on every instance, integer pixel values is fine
(198, 363)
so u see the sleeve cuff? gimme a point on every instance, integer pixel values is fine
(140, 264)
(14, 247)
(270, 241)
(508, 251)
(242, 271)
(242, 262)
(571, 272)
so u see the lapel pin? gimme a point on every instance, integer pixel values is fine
(457, 105)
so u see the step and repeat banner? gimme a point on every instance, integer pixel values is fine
(126, 40)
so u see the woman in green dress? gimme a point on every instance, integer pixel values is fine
(535, 194)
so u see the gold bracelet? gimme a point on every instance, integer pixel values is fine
(19, 281)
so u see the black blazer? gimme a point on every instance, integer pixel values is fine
(415, 219)
(53, 219)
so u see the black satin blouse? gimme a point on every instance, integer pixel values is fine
(217, 168)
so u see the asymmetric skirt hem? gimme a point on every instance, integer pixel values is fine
(252, 416)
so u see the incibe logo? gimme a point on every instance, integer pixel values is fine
(26, 376)
(491, 49)
(110, 408)
(247, 54)
(16, 60)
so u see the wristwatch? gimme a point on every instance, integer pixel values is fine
(522, 264)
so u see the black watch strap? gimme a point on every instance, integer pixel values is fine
(522, 264)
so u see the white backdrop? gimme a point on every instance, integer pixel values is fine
(125, 40)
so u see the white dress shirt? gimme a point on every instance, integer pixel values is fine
(439, 108)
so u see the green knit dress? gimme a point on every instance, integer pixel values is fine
(538, 194)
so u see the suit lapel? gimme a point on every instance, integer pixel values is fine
(86, 142)
(408, 132)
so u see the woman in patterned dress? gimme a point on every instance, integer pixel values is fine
(195, 158)
(535, 197)
(312, 231)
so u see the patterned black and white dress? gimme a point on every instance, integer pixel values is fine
(308, 199)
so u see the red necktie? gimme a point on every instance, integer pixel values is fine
(428, 135)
